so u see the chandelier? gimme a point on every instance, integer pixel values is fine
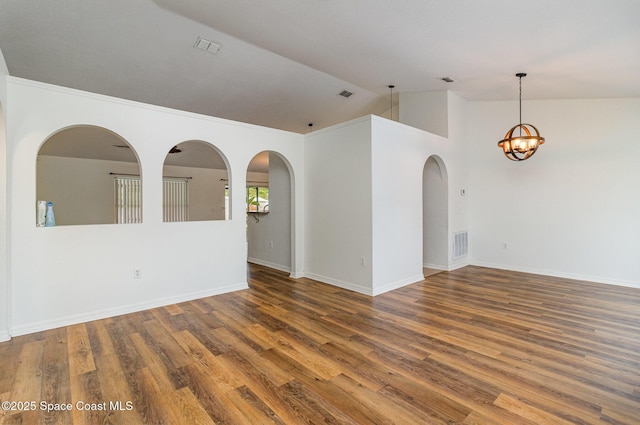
(527, 140)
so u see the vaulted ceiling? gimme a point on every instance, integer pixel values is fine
(282, 63)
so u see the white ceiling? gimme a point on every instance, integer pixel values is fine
(282, 62)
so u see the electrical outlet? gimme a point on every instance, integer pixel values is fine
(137, 273)
(362, 261)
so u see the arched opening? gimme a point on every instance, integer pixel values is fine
(78, 170)
(435, 215)
(195, 183)
(269, 211)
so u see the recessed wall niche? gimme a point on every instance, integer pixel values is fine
(77, 169)
(195, 183)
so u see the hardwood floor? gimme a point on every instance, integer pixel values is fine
(473, 346)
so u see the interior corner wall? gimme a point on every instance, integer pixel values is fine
(70, 274)
(399, 153)
(426, 110)
(444, 113)
(338, 212)
(572, 209)
(4, 239)
(458, 177)
(4, 234)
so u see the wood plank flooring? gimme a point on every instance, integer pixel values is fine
(473, 346)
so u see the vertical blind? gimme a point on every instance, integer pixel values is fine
(128, 200)
(175, 205)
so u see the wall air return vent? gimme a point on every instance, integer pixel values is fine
(460, 244)
(345, 93)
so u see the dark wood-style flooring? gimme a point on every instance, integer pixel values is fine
(473, 346)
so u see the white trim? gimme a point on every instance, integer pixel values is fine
(131, 308)
(296, 275)
(457, 265)
(264, 263)
(4, 336)
(553, 273)
(435, 266)
(398, 284)
(340, 284)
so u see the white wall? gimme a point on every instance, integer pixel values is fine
(364, 206)
(4, 234)
(399, 154)
(69, 274)
(269, 239)
(427, 111)
(458, 170)
(338, 205)
(81, 189)
(570, 210)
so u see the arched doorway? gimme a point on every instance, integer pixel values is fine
(269, 211)
(435, 215)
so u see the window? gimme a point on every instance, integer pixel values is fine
(258, 199)
(176, 200)
(128, 199)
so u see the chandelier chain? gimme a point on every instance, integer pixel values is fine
(521, 147)
(520, 103)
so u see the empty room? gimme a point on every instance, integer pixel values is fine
(362, 212)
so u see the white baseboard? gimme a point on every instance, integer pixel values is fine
(457, 265)
(365, 290)
(395, 285)
(4, 336)
(131, 308)
(269, 264)
(435, 266)
(449, 268)
(555, 273)
(340, 283)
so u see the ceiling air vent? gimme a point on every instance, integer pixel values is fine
(207, 46)
(345, 93)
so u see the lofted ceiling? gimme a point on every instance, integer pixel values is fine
(282, 63)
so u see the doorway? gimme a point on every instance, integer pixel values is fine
(435, 216)
(269, 215)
